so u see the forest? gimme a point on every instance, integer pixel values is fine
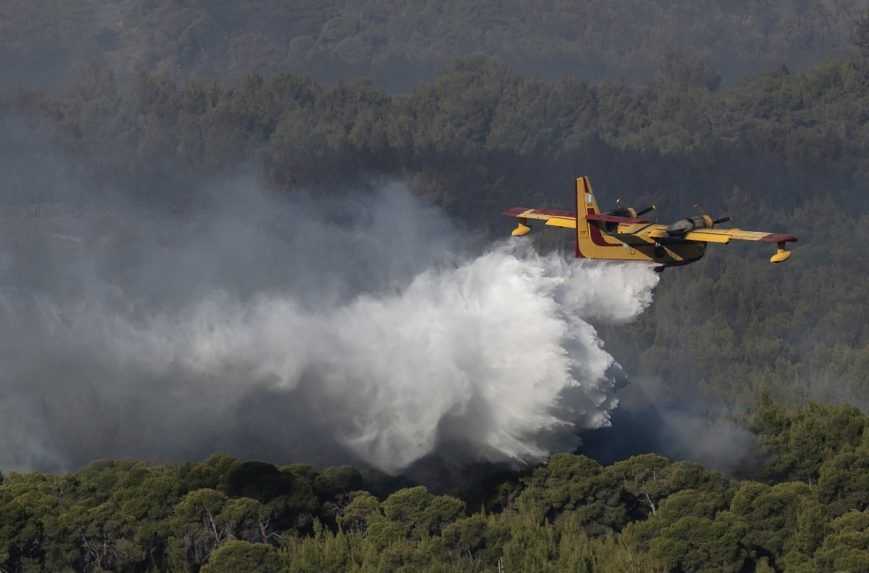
(149, 99)
(805, 509)
(397, 44)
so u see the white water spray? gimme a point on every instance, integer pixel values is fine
(303, 329)
(482, 353)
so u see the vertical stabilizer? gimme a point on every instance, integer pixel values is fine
(585, 203)
(592, 240)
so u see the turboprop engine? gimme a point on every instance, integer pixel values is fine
(688, 224)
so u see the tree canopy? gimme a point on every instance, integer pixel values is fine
(399, 44)
(645, 513)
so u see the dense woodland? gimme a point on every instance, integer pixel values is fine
(806, 510)
(398, 43)
(775, 348)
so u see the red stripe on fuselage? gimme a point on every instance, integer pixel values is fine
(614, 219)
(579, 254)
(596, 236)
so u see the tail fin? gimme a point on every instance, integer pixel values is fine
(585, 203)
(591, 241)
(583, 187)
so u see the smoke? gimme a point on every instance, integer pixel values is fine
(356, 326)
(684, 425)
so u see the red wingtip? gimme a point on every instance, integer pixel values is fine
(779, 238)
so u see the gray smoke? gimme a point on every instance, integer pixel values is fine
(352, 326)
(682, 425)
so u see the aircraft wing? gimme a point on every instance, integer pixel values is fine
(552, 217)
(724, 236)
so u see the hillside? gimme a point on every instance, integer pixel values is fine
(398, 44)
(784, 152)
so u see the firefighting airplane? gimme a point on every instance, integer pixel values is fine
(621, 235)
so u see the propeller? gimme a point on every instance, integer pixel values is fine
(706, 214)
(631, 211)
